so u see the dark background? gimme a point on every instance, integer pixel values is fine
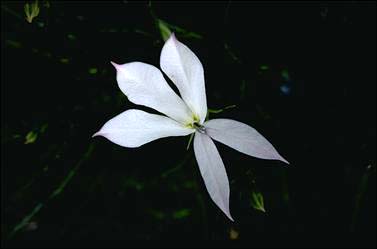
(303, 74)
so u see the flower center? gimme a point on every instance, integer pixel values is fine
(200, 128)
(195, 124)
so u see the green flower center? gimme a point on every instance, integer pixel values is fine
(194, 124)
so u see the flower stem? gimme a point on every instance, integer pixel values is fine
(359, 196)
(54, 193)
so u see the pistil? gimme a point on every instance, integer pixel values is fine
(200, 128)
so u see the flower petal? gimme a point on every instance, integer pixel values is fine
(241, 137)
(213, 171)
(144, 84)
(185, 70)
(134, 128)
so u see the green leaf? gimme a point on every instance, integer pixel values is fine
(285, 74)
(14, 44)
(27, 11)
(182, 213)
(130, 182)
(164, 29)
(43, 128)
(47, 4)
(93, 70)
(30, 137)
(64, 60)
(257, 201)
(71, 37)
(264, 67)
(31, 11)
(157, 214)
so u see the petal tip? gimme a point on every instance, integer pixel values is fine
(227, 213)
(97, 134)
(283, 160)
(172, 36)
(114, 64)
(231, 218)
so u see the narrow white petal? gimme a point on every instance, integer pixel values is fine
(134, 128)
(213, 171)
(242, 137)
(186, 71)
(144, 84)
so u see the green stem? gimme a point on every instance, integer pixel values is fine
(189, 159)
(359, 196)
(12, 12)
(216, 111)
(26, 219)
(220, 110)
(190, 140)
(176, 168)
(53, 194)
(72, 173)
(200, 200)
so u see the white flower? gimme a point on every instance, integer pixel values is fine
(144, 84)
